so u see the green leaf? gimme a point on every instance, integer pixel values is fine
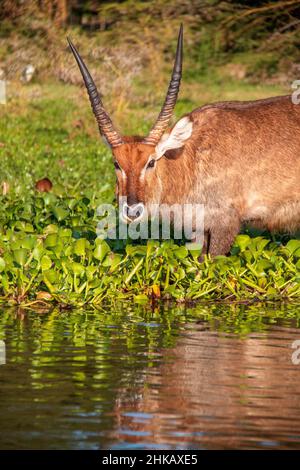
(79, 247)
(261, 244)
(49, 198)
(51, 240)
(242, 241)
(29, 228)
(141, 298)
(28, 242)
(181, 252)
(2, 265)
(293, 246)
(90, 272)
(101, 250)
(51, 228)
(46, 263)
(77, 268)
(65, 233)
(21, 256)
(60, 213)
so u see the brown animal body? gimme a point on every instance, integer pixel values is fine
(241, 160)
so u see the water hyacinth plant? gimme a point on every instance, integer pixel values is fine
(61, 263)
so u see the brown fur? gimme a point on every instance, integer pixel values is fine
(242, 162)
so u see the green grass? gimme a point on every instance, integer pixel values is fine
(48, 250)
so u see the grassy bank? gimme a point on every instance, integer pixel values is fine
(48, 250)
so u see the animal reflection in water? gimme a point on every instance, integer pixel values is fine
(217, 391)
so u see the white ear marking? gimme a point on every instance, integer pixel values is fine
(176, 138)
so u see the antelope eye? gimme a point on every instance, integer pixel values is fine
(151, 163)
(117, 166)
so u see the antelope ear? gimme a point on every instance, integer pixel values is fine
(176, 138)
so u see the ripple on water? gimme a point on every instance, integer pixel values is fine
(212, 376)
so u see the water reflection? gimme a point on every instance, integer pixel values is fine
(214, 376)
(219, 392)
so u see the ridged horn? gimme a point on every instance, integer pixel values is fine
(167, 109)
(105, 124)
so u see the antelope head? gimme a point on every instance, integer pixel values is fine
(137, 160)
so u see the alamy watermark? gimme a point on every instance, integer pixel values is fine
(155, 221)
(296, 354)
(296, 94)
(2, 352)
(2, 92)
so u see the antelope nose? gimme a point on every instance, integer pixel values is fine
(133, 212)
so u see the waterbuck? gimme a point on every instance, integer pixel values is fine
(241, 160)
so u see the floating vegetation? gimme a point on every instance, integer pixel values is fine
(69, 266)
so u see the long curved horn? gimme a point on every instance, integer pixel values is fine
(167, 109)
(105, 124)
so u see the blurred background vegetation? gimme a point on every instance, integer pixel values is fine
(253, 39)
(129, 45)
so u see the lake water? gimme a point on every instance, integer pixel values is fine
(210, 376)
